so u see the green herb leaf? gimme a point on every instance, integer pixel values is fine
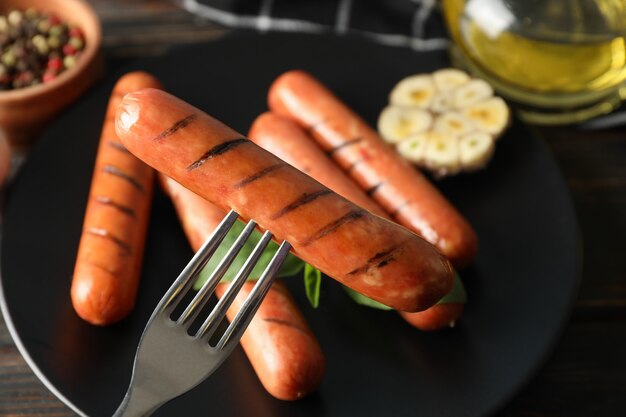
(312, 284)
(457, 294)
(365, 301)
(291, 266)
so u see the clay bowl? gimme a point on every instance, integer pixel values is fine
(25, 111)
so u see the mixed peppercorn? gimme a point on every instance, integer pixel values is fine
(35, 47)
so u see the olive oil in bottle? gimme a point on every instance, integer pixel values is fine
(561, 60)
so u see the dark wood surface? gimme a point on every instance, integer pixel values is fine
(586, 374)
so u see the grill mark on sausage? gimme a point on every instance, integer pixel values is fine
(333, 226)
(284, 323)
(113, 170)
(96, 231)
(343, 145)
(377, 261)
(118, 146)
(370, 191)
(260, 174)
(300, 201)
(313, 127)
(120, 207)
(399, 208)
(353, 165)
(100, 266)
(181, 124)
(217, 150)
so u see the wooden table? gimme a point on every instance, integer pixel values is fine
(586, 374)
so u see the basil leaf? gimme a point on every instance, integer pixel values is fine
(291, 266)
(312, 284)
(457, 294)
(365, 301)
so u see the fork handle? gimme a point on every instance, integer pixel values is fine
(136, 406)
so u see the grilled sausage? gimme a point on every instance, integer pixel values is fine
(400, 189)
(285, 139)
(281, 347)
(110, 251)
(375, 257)
(288, 141)
(437, 317)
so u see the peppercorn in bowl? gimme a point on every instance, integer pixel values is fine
(49, 55)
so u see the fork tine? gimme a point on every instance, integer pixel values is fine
(239, 324)
(201, 298)
(185, 280)
(217, 314)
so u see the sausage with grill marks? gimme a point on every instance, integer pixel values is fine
(281, 347)
(287, 140)
(400, 189)
(373, 256)
(110, 251)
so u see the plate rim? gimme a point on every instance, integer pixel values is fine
(15, 336)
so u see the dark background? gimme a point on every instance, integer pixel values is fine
(586, 374)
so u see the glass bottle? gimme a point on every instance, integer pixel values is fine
(560, 61)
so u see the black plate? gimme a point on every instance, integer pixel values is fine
(521, 286)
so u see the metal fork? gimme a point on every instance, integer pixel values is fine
(170, 362)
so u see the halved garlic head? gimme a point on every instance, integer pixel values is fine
(396, 123)
(445, 122)
(415, 91)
